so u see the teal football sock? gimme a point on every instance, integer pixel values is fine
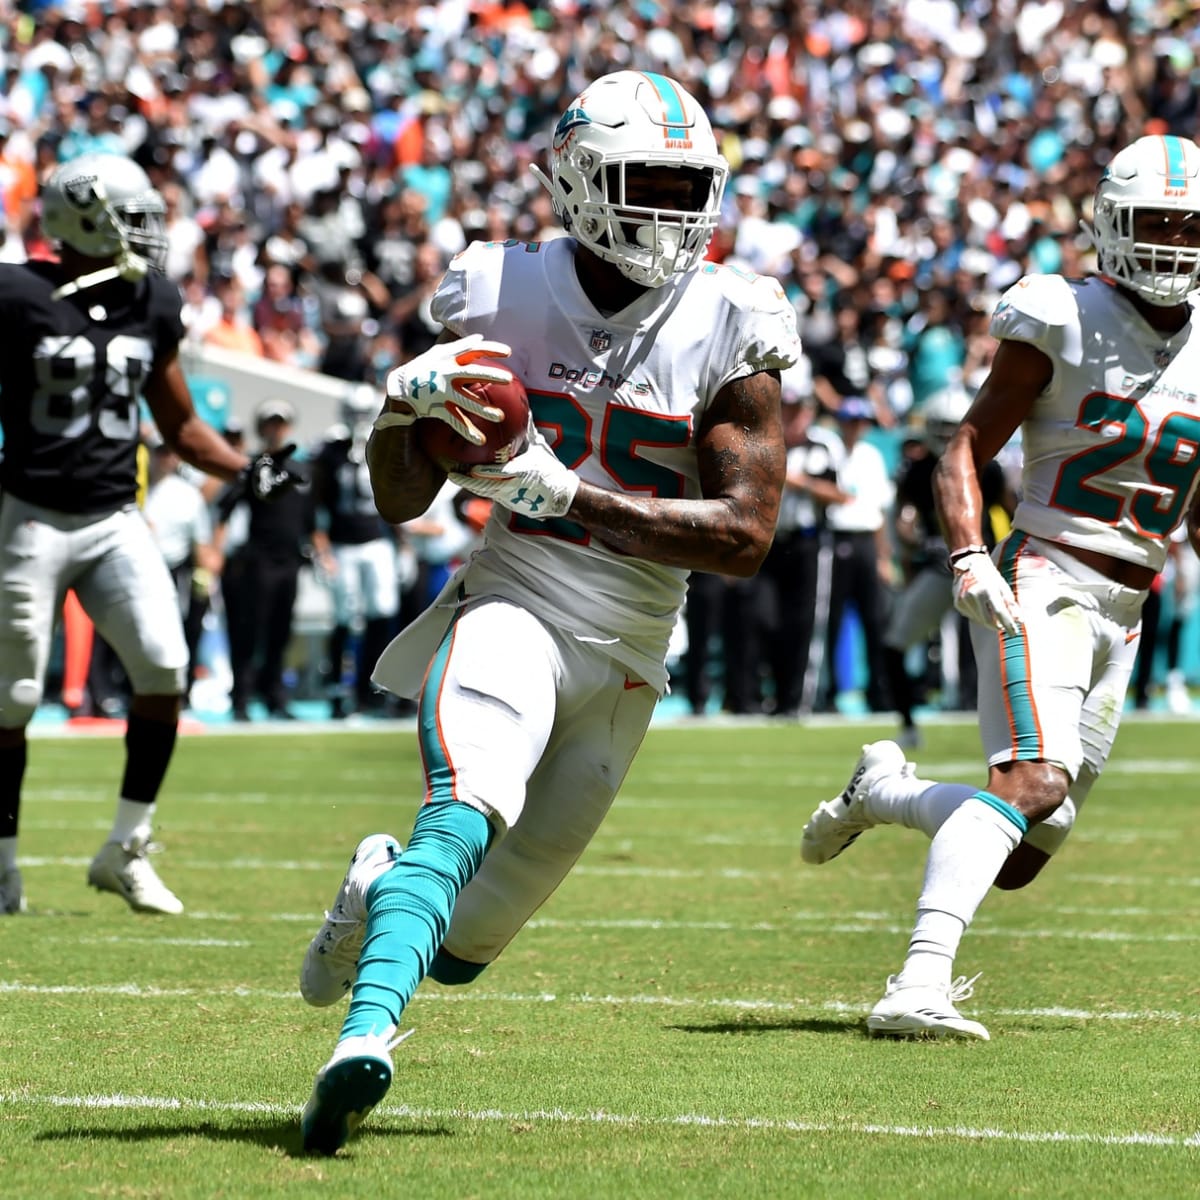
(408, 913)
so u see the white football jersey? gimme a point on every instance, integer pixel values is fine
(620, 399)
(1112, 446)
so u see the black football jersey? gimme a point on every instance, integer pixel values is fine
(915, 487)
(71, 379)
(342, 490)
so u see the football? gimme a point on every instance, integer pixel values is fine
(504, 438)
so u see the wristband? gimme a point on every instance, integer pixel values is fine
(955, 555)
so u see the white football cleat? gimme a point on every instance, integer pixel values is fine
(346, 1089)
(835, 823)
(331, 961)
(1179, 701)
(925, 1011)
(12, 892)
(123, 868)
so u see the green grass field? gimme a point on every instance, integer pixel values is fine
(682, 1019)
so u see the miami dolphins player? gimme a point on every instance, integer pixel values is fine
(1102, 375)
(658, 450)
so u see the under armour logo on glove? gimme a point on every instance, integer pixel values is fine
(534, 483)
(431, 386)
(269, 474)
(436, 384)
(529, 503)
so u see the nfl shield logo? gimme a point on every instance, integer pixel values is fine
(601, 340)
(1162, 357)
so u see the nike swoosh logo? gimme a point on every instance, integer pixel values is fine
(630, 684)
(1130, 636)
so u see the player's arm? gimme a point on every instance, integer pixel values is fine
(1020, 373)
(183, 429)
(404, 481)
(741, 459)
(1193, 524)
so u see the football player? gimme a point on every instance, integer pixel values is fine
(1100, 374)
(89, 337)
(653, 378)
(355, 550)
(928, 594)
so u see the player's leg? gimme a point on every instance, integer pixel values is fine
(130, 595)
(33, 561)
(1098, 728)
(916, 613)
(381, 599)
(1185, 591)
(346, 603)
(281, 579)
(1030, 727)
(487, 709)
(601, 724)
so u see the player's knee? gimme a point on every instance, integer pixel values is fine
(452, 971)
(155, 679)
(1036, 789)
(1021, 868)
(19, 699)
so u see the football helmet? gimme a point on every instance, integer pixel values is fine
(1159, 174)
(622, 122)
(943, 412)
(360, 406)
(104, 206)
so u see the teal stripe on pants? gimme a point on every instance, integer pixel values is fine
(1014, 666)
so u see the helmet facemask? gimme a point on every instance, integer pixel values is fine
(1161, 273)
(1155, 181)
(608, 154)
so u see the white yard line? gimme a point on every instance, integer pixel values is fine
(122, 940)
(138, 991)
(609, 871)
(559, 1116)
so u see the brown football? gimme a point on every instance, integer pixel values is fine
(504, 438)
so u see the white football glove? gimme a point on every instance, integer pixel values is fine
(982, 594)
(426, 387)
(534, 483)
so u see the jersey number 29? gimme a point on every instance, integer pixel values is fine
(1170, 464)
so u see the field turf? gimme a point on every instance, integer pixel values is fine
(682, 1019)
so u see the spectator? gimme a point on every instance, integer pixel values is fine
(279, 319)
(187, 255)
(900, 157)
(232, 330)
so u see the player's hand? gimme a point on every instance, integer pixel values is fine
(982, 594)
(534, 483)
(426, 387)
(270, 474)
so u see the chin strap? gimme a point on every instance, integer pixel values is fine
(128, 266)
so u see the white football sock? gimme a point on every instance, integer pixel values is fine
(964, 859)
(133, 820)
(915, 803)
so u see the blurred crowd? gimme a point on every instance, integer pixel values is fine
(896, 164)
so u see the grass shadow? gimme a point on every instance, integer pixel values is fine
(807, 1025)
(275, 1135)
